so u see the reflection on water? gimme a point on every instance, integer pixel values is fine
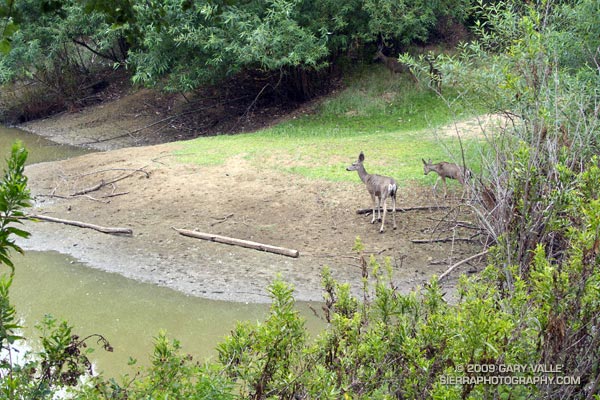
(39, 149)
(128, 313)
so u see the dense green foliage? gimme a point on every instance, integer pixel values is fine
(182, 44)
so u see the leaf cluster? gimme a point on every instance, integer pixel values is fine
(14, 197)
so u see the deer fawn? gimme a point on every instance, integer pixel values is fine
(392, 64)
(379, 187)
(447, 170)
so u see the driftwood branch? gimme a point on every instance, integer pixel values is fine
(115, 194)
(103, 183)
(87, 196)
(239, 242)
(220, 220)
(405, 209)
(103, 229)
(442, 276)
(141, 170)
(90, 189)
(442, 240)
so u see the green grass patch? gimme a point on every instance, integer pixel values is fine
(395, 154)
(386, 117)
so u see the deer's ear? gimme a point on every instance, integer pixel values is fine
(361, 157)
(423, 161)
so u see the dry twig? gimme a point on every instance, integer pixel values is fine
(442, 276)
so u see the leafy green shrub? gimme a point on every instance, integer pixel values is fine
(171, 375)
(14, 197)
(58, 57)
(266, 360)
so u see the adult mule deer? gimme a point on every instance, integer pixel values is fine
(379, 187)
(392, 64)
(447, 170)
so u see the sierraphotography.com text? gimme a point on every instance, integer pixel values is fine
(510, 374)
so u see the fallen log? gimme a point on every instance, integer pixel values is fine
(405, 209)
(239, 242)
(103, 229)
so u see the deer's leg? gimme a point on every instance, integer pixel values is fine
(445, 187)
(374, 205)
(435, 185)
(394, 210)
(383, 203)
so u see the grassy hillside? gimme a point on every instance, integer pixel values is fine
(388, 117)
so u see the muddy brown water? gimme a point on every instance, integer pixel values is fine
(128, 313)
(39, 148)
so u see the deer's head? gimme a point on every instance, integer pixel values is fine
(427, 166)
(357, 164)
(379, 55)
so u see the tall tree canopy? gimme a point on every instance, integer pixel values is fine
(182, 44)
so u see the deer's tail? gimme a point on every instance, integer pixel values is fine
(393, 188)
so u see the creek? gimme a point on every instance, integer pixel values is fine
(39, 148)
(126, 312)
